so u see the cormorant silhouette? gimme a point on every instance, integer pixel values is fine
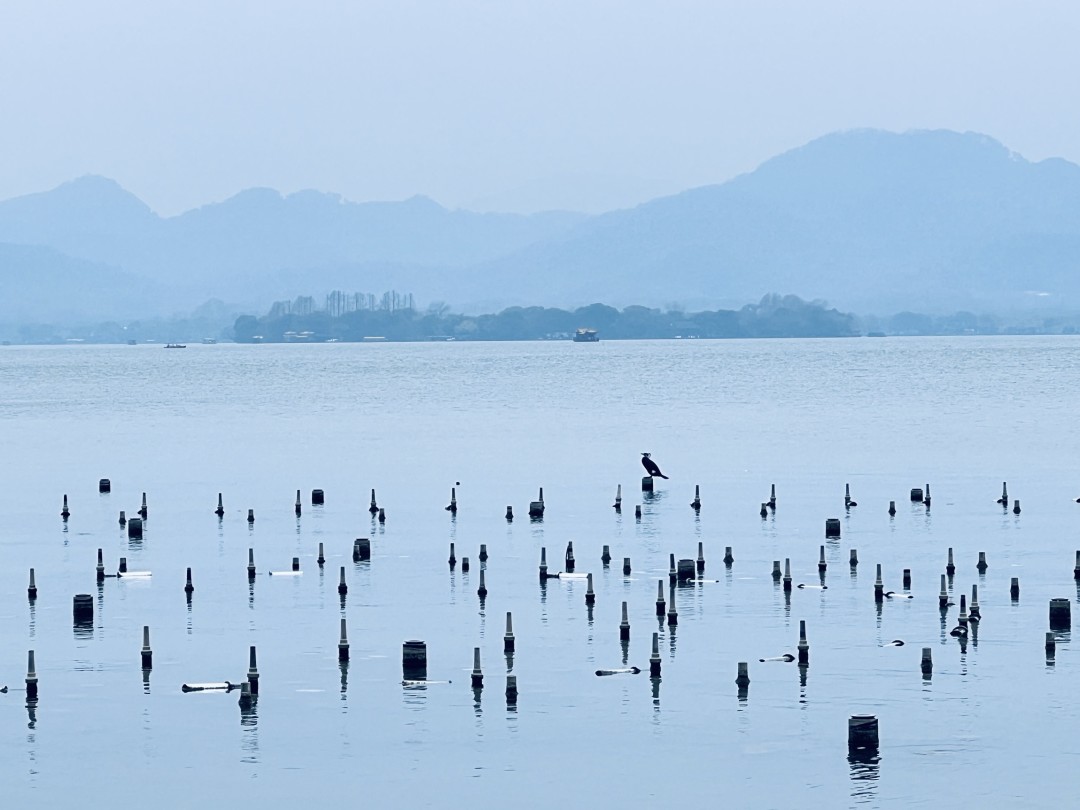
(650, 466)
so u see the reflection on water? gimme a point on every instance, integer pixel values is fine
(864, 766)
(249, 726)
(31, 718)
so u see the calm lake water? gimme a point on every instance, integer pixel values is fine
(993, 727)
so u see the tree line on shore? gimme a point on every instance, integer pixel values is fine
(773, 316)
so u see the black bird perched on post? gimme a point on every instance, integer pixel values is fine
(650, 466)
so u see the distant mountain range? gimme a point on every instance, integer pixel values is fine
(868, 220)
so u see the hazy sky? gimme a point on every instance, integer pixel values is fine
(500, 104)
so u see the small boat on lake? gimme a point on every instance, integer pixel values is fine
(175, 345)
(586, 336)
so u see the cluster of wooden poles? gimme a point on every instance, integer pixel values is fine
(862, 728)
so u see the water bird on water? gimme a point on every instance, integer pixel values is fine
(787, 658)
(895, 595)
(959, 631)
(804, 586)
(894, 643)
(650, 466)
(628, 671)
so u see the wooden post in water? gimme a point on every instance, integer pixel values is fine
(414, 661)
(624, 625)
(1060, 614)
(477, 673)
(742, 680)
(253, 671)
(508, 637)
(804, 647)
(862, 734)
(31, 677)
(511, 690)
(146, 654)
(343, 643)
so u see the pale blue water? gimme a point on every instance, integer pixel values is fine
(992, 727)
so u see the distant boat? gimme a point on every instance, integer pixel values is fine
(175, 345)
(131, 343)
(209, 341)
(586, 336)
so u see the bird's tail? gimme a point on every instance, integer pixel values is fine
(661, 475)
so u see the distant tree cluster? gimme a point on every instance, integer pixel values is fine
(773, 316)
